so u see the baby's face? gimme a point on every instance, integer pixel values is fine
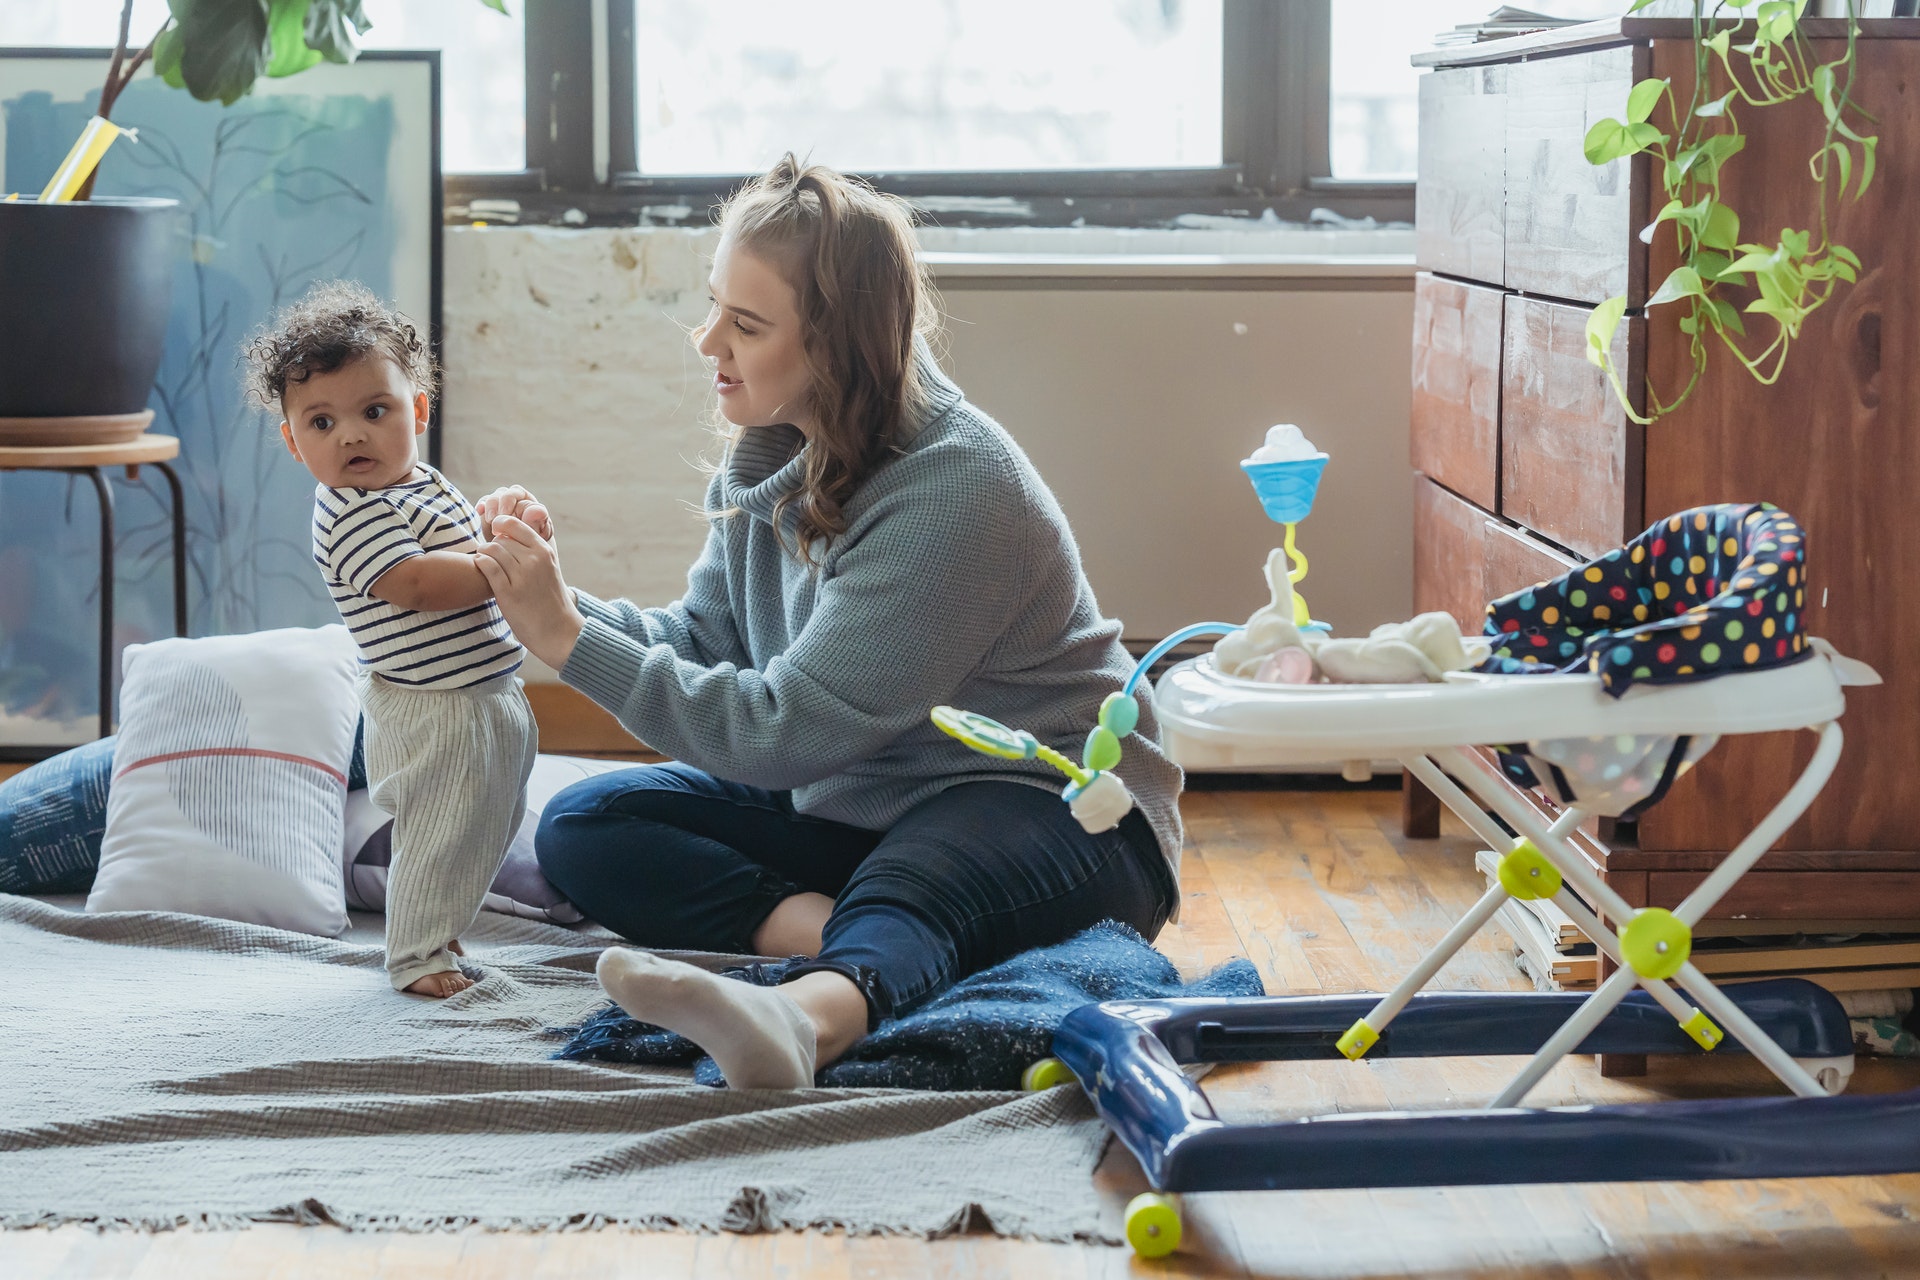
(355, 428)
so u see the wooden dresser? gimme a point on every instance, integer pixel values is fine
(1525, 464)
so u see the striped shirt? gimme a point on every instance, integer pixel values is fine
(359, 534)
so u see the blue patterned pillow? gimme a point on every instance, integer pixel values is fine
(51, 820)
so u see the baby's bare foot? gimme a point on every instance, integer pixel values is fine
(441, 985)
(456, 948)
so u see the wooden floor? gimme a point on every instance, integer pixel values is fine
(1323, 894)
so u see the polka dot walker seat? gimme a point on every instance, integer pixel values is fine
(1711, 590)
(1700, 594)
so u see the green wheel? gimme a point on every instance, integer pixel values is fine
(1153, 1224)
(1045, 1074)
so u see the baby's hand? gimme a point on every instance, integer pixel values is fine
(517, 502)
(537, 519)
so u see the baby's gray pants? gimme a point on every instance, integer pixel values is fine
(451, 765)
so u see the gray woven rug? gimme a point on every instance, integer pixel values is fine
(162, 1070)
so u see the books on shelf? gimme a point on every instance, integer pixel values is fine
(1511, 20)
(1550, 949)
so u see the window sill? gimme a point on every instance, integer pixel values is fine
(1167, 266)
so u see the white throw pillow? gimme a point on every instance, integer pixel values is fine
(229, 777)
(518, 890)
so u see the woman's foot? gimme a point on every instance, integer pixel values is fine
(758, 1037)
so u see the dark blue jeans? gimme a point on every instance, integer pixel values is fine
(668, 856)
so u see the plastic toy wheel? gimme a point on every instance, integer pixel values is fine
(1831, 1074)
(1045, 1074)
(1153, 1224)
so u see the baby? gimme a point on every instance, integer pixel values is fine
(450, 738)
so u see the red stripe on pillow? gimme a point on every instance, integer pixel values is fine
(329, 770)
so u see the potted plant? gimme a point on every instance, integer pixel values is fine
(85, 285)
(1749, 56)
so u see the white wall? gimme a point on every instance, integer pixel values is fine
(568, 370)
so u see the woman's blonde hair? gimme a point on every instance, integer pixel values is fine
(849, 253)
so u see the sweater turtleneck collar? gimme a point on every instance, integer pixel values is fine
(768, 463)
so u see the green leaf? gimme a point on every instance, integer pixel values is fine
(1641, 101)
(1721, 229)
(1867, 147)
(1670, 210)
(1724, 146)
(1846, 255)
(1711, 266)
(1607, 140)
(498, 6)
(223, 46)
(1638, 5)
(286, 33)
(1726, 316)
(1601, 324)
(1683, 283)
(1752, 261)
(1718, 107)
(166, 57)
(1845, 159)
(1719, 40)
(334, 28)
(1643, 135)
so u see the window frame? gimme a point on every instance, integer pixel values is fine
(583, 142)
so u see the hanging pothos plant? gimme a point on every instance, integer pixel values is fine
(1767, 63)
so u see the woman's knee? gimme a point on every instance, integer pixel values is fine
(572, 836)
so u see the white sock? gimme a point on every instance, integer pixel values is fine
(758, 1037)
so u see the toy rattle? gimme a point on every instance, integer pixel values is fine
(1095, 793)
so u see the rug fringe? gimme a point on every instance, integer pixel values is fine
(312, 1213)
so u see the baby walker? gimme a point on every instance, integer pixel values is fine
(1601, 687)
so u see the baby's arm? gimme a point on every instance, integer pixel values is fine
(432, 582)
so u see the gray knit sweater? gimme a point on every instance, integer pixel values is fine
(957, 581)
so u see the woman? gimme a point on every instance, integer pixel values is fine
(877, 547)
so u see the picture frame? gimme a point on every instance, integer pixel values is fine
(334, 172)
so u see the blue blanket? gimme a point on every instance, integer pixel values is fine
(980, 1034)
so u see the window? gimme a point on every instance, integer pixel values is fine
(1374, 89)
(482, 62)
(1123, 112)
(87, 23)
(483, 87)
(879, 86)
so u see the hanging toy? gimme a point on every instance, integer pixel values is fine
(1094, 793)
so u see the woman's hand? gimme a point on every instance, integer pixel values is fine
(516, 502)
(524, 571)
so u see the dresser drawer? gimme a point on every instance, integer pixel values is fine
(1572, 228)
(1570, 456)
(1449, 555)
(1514, 560)
(1459, 218)
(1463, 558)
(1456, 386)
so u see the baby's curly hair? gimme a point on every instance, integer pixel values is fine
(337, 321)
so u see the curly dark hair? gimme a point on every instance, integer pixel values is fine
(337, 321)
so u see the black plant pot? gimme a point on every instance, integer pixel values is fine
(85, 289)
